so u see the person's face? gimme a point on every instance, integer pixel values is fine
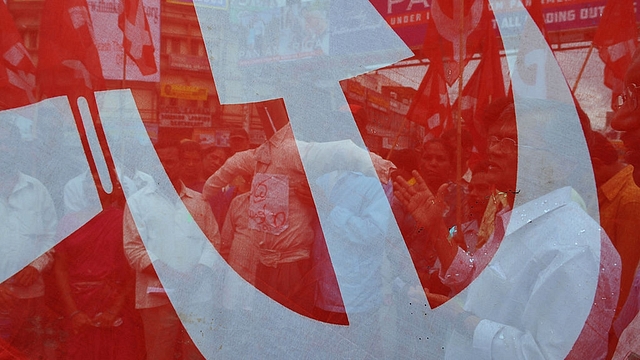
(170, 159)
(502, 151)
(191, 165)
(213, 161)
(435, 165)
(627, 118)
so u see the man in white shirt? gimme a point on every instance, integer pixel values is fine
(173, 247)
(530, 291)
(27, 231)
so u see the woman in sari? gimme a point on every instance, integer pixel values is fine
(96, 288)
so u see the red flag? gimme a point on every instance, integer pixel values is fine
(17, 72)
(137, 36)
(68, 61)
(444, 33)
(616, 41)
(430, 107)
(485, 85)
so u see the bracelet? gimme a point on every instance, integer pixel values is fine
(74, 314)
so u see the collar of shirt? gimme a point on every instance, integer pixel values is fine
(532, 210)
(263, 153)
(613, 186)
(23, 181)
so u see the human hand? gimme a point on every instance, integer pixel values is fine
(418, 200)
(79, 320)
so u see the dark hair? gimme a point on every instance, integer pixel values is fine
(211, 148)
(166, 143)
(494, 111)
(445, 144)
(188, 145)
(451, 136)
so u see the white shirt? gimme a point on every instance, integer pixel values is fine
(27, 232)
(172, 233)
(358, 227)
(536, 293)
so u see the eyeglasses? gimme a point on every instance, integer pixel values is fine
(627, 96)
(504, 143)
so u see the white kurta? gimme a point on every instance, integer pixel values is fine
(536, 293)
(27, 232)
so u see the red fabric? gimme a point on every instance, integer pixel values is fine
(137, 41)
(430, 107)
(616, 41)
(593, 339)
(485, 85)
(69, 64)
(68, 59)
(98, 272)
(95, 250)
(444, 33)
(7, 352)
(17, 72)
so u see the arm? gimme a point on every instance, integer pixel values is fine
(209, 226)
(228, 230)
(77, 317)
(49, 223)
(30, 273)
(242, 163)
(427, 211)
(109, 315)
(627, 243)
(134, 249)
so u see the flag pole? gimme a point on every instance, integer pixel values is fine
(397, 137)
(124, 65)
(462, 48)
(584, 65)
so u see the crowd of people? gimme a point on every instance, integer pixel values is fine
(519, 283)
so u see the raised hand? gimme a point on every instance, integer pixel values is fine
(418, 200)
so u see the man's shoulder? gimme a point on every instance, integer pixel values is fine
(29, 182)
(559, 218)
